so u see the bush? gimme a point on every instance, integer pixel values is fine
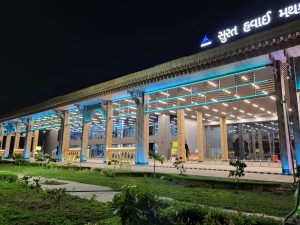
(135, 207)
(108, 173)
(188, 214)
(9, 177)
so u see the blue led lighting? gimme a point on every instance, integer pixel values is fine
(207, 103)
(44, 114)
(123, 115)
(100, 111)
(205, 80)
(205, 92)
(46, 127)
(124, 107)
(120, 99)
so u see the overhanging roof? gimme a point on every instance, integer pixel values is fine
(265, 42)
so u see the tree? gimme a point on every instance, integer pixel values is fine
(238, 172)
(156, 157)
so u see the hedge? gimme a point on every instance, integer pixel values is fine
(10, 177)
(187, 214)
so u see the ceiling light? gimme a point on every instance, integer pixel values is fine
(206, 114)
(182, 99)
(234, 108)
(225, 104)
(249, 114)
(163, 102)
(193, 117)
(237, 96)
(246, 101)
(269, 112)
(184, 88)
(206, 107)
(224, 113)
(157, 113)
(232, 116)
(273, 98)
(164, 93)
(262, 109)
(255, 86)
(290, 110)
(255, 105)
(242, 111)
(215, 110)
(188, 109)
(265, 92)
(211, 83)
(214, 100)
(244, 78)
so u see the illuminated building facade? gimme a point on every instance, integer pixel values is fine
(237, 100)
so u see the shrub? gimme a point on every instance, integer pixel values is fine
(8, 177)
(108, 173)
(19, 159)
(239, 170)
(178, 164)
(135, 207)
(187, 214)
(57, 196)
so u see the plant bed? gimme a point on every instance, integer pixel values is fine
(21, 205)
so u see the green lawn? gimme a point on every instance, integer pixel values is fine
(23, 206)
(277, 203)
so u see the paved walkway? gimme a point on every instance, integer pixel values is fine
(253, 172)
(102, 194)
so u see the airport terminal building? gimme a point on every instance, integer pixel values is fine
(236, 100)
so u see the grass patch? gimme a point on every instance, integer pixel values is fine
(277, 203)
(21, 205)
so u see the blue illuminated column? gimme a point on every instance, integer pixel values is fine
(28, 138)
(17, 138)
(64, 136)
(294, 73)
(284, 145)
(84, 136)
(142, 132)
(108, 130)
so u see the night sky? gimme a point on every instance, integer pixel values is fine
(51, 49)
